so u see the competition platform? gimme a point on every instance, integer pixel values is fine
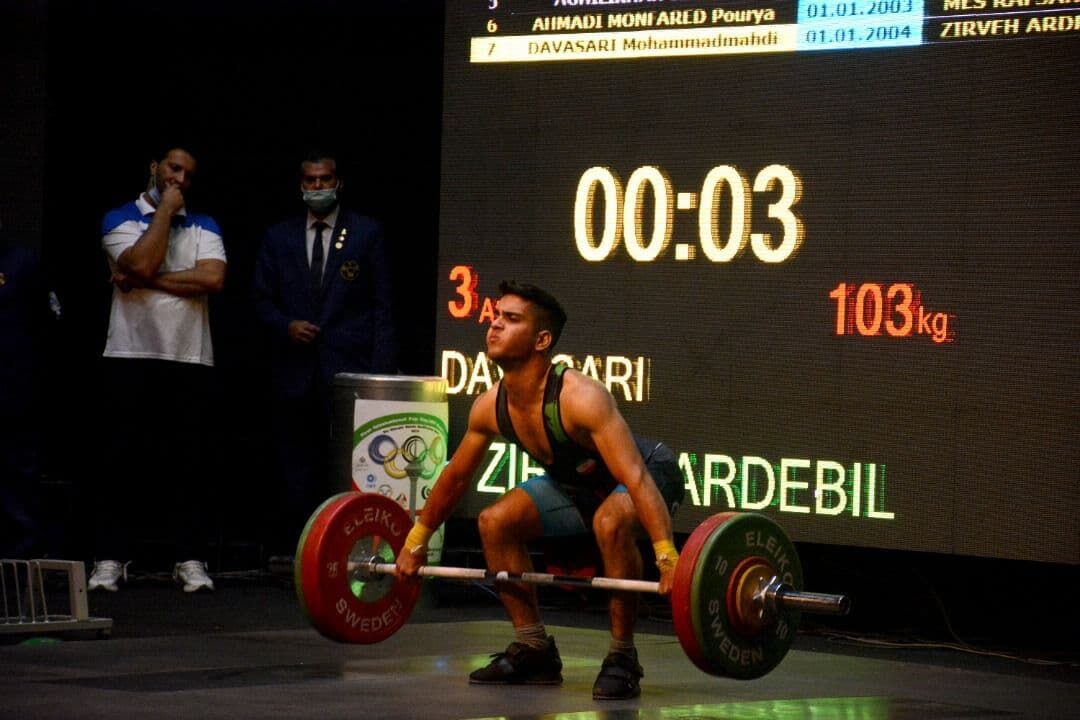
(248, 651)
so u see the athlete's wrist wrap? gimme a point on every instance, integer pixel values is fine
(417, 538)
(666, 554)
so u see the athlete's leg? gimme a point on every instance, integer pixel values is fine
(532, 658)
(616, 527)
(505, 528)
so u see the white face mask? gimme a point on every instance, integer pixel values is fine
(152, 190)
(319, 200)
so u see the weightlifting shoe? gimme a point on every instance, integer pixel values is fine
(520, 664)
(193, 574)
(106, 574)
(618, 678)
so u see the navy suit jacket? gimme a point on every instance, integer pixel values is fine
(353, 312)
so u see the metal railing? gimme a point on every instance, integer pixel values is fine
(25, 605)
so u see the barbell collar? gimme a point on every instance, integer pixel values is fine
(780, 598)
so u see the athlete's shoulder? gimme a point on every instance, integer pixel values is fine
(579, 386)
(482, 414)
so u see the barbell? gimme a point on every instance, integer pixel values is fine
(736, 599)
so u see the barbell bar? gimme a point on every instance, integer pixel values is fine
(736, 599)
(774, 596)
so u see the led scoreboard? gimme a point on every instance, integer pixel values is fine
(825, 249)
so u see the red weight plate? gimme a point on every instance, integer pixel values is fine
(344, 606)
(305, 565)
(681, 602)
(316, 522)
(321, 562)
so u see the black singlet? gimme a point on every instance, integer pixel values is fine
(572, 466)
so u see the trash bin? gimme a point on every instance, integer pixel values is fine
(390, 437)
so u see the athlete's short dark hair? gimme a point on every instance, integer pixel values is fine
(552, 315)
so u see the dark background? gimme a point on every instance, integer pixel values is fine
(91, 89)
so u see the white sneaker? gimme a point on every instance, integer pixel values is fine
(106, 574)
(193, 574)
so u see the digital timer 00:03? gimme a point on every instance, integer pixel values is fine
(624, 212)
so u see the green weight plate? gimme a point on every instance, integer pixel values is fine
(728, 649)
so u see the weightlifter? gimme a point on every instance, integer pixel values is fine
(599, 478)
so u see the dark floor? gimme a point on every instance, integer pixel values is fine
(247, 650)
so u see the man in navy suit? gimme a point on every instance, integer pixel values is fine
(322, 290)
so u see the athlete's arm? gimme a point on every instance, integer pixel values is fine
(454, 480)
(589, 409)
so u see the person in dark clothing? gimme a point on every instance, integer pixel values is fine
(322, 291)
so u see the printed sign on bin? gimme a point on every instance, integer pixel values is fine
(398, 450)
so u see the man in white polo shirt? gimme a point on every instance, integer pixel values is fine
(164, 262)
